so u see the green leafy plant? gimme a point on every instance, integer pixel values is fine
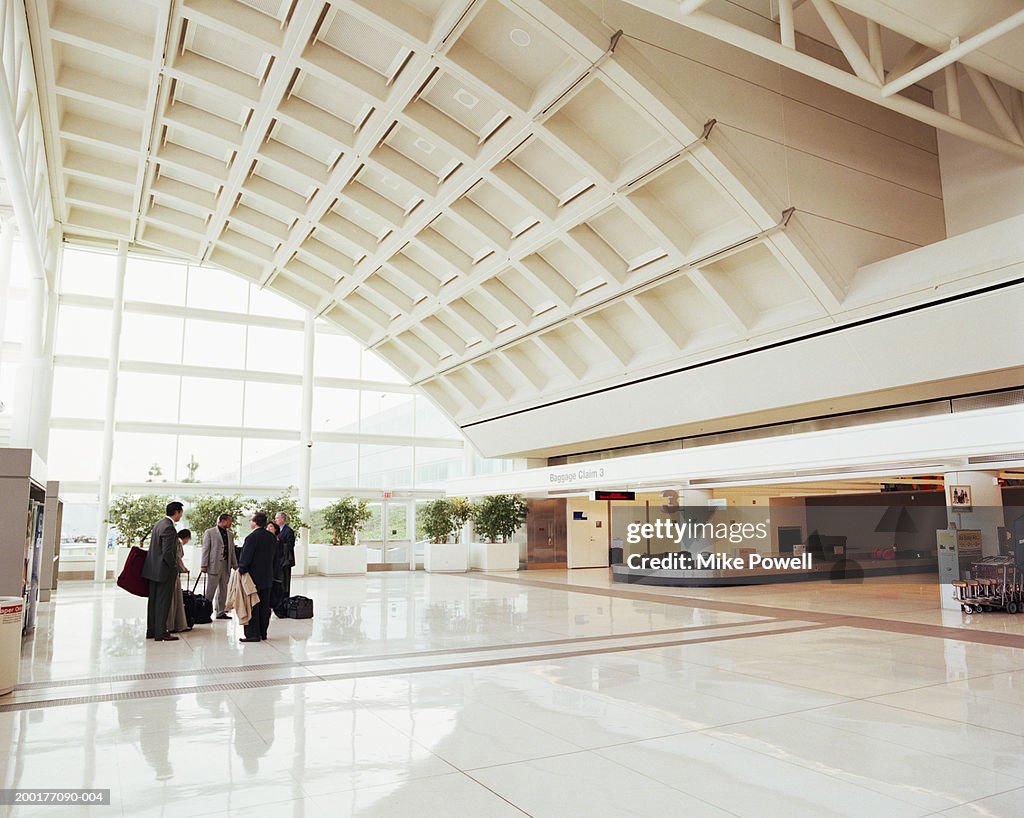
(498, 517)
(343, 518)
(462, 512)
(134, 517)
(282, 502)
(436, 517)
(203, 511)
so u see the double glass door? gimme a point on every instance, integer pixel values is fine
(389, 544)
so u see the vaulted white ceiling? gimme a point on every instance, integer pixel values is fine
(481, 191)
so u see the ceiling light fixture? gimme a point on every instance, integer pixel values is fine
(463, 97)
(424, 145)
(519, 37)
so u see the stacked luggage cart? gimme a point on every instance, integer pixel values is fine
(995, 586)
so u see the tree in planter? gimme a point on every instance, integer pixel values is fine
(344, 518)
(204, 510)
(282, 502)
(462, 513)
(134, 517)
(498, 517)
(436, 518)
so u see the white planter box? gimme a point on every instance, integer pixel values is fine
(452, 557)
(342, 560)
(494, 556)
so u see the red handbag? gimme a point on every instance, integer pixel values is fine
(131, 578)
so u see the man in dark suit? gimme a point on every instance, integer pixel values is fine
(286, 536)
(257, 560)
(161, 569)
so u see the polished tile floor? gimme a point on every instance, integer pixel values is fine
(542, 693)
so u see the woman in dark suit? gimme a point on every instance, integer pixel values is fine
(277, 595)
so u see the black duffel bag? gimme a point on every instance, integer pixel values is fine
(299, 607)
(198, 609)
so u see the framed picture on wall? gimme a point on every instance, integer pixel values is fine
(960, 498)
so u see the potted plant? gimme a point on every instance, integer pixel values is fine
(134, 518)
(441, 553)
(342, 520)
(462, 513)
(495, 521)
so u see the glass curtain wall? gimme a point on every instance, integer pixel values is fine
(209, 395)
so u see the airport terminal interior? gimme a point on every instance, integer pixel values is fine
(641, 383)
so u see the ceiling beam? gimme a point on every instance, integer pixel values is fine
(776, 52)
(956, 51)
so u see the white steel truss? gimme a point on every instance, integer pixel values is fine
(867, 77)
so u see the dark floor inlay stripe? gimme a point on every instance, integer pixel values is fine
(214, 671)
(362, 674)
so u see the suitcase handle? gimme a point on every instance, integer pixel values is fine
(197, 584)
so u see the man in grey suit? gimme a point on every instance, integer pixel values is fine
(161, 569)
(218, 558)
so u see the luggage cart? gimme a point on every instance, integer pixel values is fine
(995, 585)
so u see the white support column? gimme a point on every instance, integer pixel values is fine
(847, 43)
(26, 418)
(786, 26)
(44, 382)
(306, 435)
(6, 244)
(875, 48)
(107, 456)
(952, 91)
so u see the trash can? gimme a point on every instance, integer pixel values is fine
(11, 616)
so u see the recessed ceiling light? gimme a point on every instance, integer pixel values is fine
(424, 145)
(519, 37)
(463, 97)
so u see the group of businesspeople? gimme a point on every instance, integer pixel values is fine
(267, 556)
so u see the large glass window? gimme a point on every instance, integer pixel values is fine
(88, 273)
(436, 465)
(335, 464)
(79, 393)
(208, 459)
(210, 343)
(335, 355)
(431, 423)
(386, 413)
(74, 455)
(213, 289)
(154, 280)
(274, 350)
(269, 462)
(376, 368)
(272, 405)
(144, 458)
(211, 402)
(385, 467)
(146, 396)
(83, 331)
(335, 410)
(188, 444)
(150, 338)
